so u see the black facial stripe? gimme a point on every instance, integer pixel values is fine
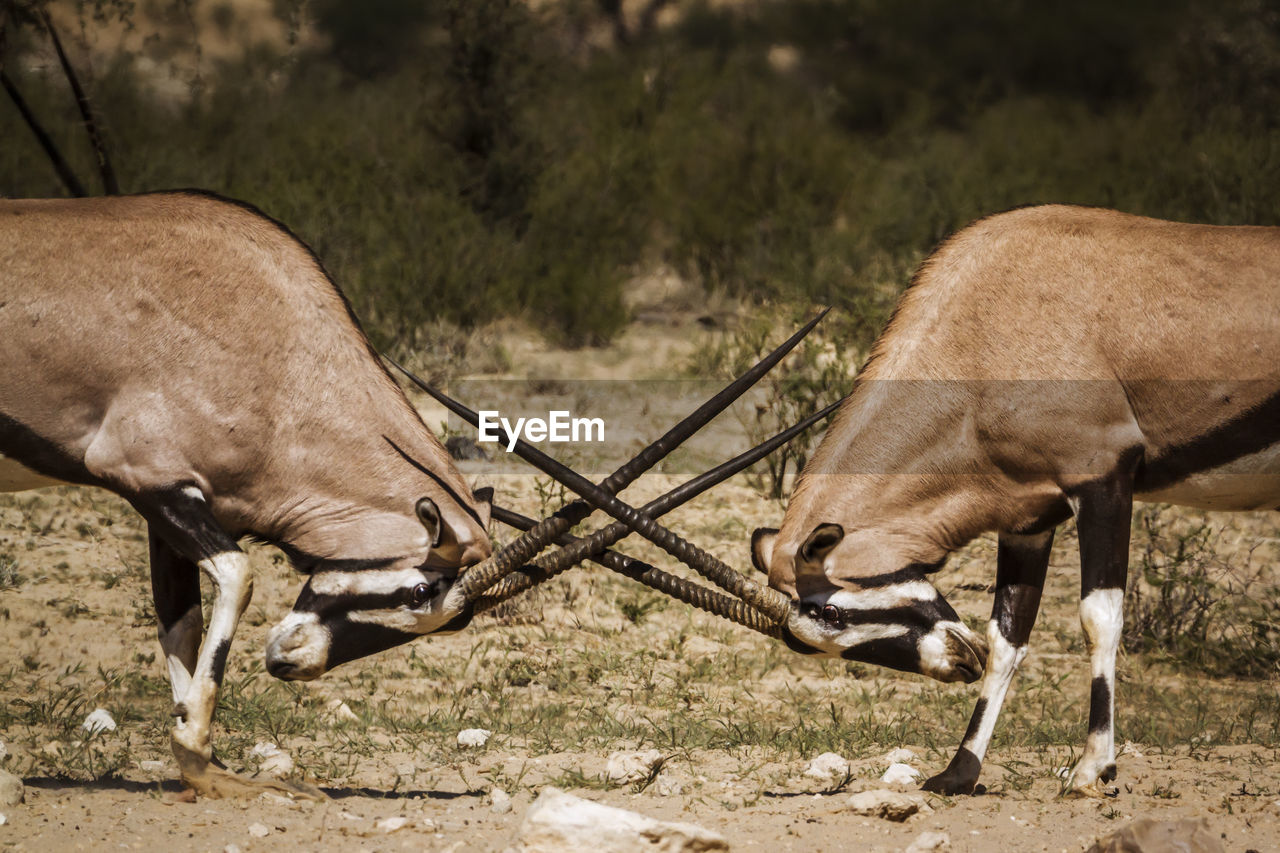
(352, 640)
(1099, 705)
(913, 572)
(898, 653)
(311, 602)
(439, 482)
(921, 612)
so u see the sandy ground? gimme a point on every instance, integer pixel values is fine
(79, 636)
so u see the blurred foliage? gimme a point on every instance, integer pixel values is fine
(454, 160)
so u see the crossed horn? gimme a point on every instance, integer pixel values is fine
(765, 609)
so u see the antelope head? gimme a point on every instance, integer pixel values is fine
(350, 608)
(864, 595)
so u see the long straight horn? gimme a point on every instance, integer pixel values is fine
(715, 603)
(491, 571)
(476, 580)
(576, 549)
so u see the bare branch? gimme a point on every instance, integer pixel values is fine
(109, 183)
(60, 166)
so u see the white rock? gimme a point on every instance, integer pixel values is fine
(341, 712)
(474, 737)
(828, 767)
(930, 842)
(259, 830)
(900, 774)
(4, 751)
(900, 754)
(389, 825)
(625, 768)
(231, 848)
(499, 801)
(152, 766)
(99, 721)
(668, 785)
(3, 819)
(889, 805)
(11, 791)
(275, 761)
(562, 823)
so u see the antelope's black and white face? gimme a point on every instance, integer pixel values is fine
(854, 599)
(352, 608)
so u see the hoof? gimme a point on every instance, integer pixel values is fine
(949, 785)
(212, 782)
(1098, 790)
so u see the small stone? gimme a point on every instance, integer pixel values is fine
(1131, 750)
(558, 822)
(499, 801)
(99, 721)
(1148, 835)
(930, 842)
(668, 785)
(231, 848)
(152, 766)
(275, 761)
(894, 756)
(888, 805)
(11, 791)
(625, 768)
(389, 825)
(259, 830)
(4, 751)
(828, 767)
(3, 819)
(341, 712)
(900, 774)
(474, 737)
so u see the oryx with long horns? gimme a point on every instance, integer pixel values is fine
(1046, 363)
(192, 356)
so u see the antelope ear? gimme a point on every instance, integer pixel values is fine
(762, 541)
(429, 515)
(821, 541)
(484, 504)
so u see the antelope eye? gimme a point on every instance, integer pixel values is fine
(420, 594)
(832, 616)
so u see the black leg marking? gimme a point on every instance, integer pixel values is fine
(1099, 705)
(175, 589)
(1103, 514)
(1021, 564)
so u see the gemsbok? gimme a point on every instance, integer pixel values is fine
(1045, 363)
(191, 355)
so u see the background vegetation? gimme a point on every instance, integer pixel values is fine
(464, 160)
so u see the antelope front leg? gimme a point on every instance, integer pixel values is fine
(191, 736)
(186, 536)
(1021, 563)
(1103, 516)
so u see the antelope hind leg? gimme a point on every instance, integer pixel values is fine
(1021, 563)
(1103, 515)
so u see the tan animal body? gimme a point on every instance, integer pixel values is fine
(191, 355)
(1047, 362)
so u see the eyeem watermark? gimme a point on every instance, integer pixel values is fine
(559, 426)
